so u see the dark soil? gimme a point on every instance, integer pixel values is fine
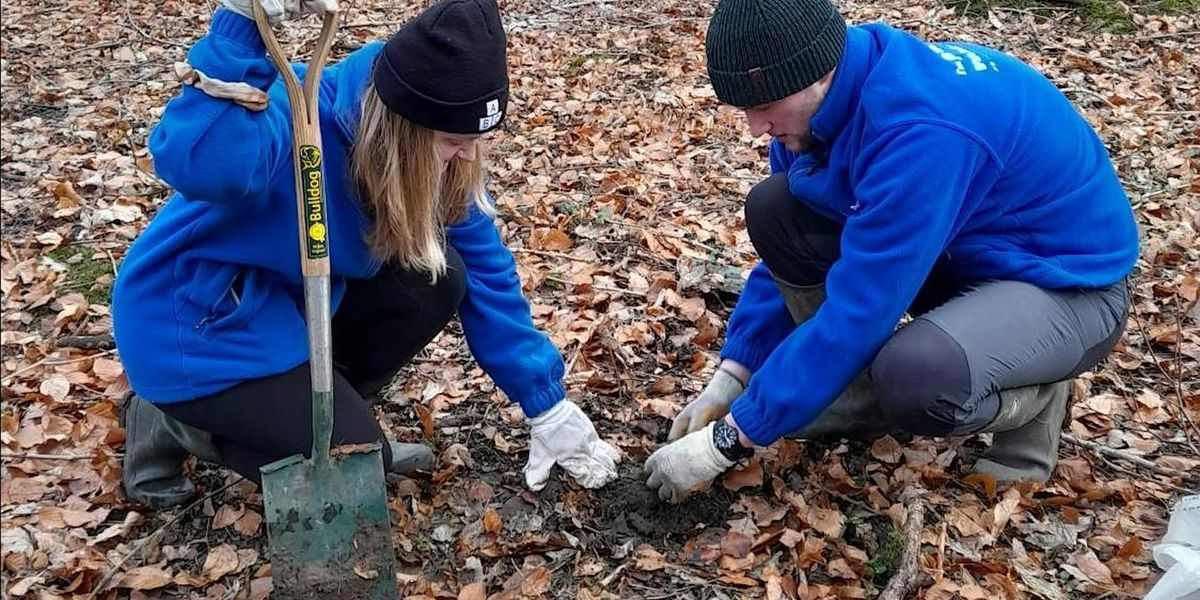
(357, 576)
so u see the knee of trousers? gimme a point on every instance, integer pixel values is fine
(922, 380)
(766, 204)
(452, 287)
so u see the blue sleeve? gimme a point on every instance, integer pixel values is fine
(212, 149)
(496, 320)
(760, 319)
(912, 187)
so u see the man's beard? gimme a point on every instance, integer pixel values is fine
(797, 144)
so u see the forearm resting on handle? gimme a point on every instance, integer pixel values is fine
(213, 149)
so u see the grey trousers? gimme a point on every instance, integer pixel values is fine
(941, 374)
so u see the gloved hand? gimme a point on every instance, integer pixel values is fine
(680, 468)
(712, 404)
(565, 436)
(281, 10)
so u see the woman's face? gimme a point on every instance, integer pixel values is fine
(455, 145)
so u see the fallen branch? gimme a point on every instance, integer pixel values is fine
(550, 254)
(87, 342)
(910, 576)
(1133, 459)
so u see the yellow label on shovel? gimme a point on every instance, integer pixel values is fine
(314, 201)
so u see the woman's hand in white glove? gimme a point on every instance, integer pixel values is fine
(565, 436)
(281, 10)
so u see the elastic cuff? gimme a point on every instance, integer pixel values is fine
(232, 26)
(543, 400)
(744, 411)
(745, 354)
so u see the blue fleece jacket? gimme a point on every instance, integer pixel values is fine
(927, 152)
(181, 332)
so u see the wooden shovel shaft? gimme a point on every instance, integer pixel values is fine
(311, 217)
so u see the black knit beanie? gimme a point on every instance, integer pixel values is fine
(760, 51)
(447, 68)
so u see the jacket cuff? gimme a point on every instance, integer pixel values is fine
(745, 354)
(543, 400)
(746, 415)
(229, 25)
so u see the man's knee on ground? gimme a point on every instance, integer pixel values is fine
(922, 380)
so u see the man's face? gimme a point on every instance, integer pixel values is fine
(788, 119)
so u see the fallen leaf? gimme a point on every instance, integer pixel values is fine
(227, 515)
(56, 386)
(829, 522)
(555, 241)
(492, 523)
(145, 578)
(646, 558)
(106, 369)
(248, 524)
(1004, 510)
(736, 544)
(841, 569)
(426, 417)
(750, 475)
(220, 562)
(1089, 568)
(473, 591)
(887, 449)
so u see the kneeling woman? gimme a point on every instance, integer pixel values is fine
(208, 309)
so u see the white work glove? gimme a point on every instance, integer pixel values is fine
(281, 10)
(680, 468)
(712, 404)
(565, 436)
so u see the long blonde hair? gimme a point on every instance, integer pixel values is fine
(410, 193)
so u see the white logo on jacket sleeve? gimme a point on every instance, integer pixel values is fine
(492, 117)
(955, 54)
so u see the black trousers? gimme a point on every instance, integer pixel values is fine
(380, 325)
(940, 375)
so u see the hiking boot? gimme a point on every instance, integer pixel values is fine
(407, 458)
(1027, 431)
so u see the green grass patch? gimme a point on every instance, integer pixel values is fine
(1096, 15)
(887, 558)
(89, 276)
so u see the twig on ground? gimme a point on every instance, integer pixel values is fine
(550, 254)
(1179, 369)
(608, 579)
(87, 342)
(109, 574)
(1103, 450)
(51, 362)
(587, 337)
(599, 288)
(1137, 320)
(910, 576)
(133, 25)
